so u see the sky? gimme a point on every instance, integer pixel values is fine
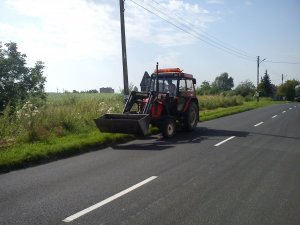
(80, 40)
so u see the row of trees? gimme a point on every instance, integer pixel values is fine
(92, 91)
(225, 84)
(222, 83)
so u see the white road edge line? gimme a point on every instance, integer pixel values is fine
(274, 116)
(99, 204)
(222, 142)
(258, 124)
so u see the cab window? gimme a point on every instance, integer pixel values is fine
(186, 88)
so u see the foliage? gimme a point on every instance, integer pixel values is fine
(266, 88)
(61, 115)
(73, 113)
(222, 83)
(245, 88)
(22, 155)
(220, 112)
(17, 81)
(90, 91)
(288, 89)
(204, 88)
(216, 101)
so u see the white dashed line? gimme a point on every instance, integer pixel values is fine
(258, 124)
(290, 108)
(274, 116)
(99, 204)
(283, 111)
(222, 142)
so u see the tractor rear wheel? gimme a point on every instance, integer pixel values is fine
(168, 128)
(192, 117)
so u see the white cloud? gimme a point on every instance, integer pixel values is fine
(55, 30)
(248, 2)
(78, 38)
(216, 2)
(147, 27)
(69, 29)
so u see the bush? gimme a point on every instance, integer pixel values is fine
(245, 88)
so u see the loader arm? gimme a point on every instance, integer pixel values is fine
(143, 100)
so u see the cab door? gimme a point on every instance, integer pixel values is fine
(186, 91)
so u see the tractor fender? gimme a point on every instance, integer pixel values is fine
(187, 104)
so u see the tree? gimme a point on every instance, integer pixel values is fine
(266, 88)
(18, 82)
(245, 88)
(222, 83)
(288, 89)
(204, 88)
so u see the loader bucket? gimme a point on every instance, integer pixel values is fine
(124, 123)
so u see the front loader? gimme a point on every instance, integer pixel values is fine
(169, 102)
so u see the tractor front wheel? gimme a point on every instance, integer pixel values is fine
(168, 128)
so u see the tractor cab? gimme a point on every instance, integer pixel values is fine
(172, 82)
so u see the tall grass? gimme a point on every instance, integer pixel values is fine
(61, 115)
(73, 113)
(208, 102)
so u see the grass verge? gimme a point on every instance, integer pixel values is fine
(220, 112)
(24, 155)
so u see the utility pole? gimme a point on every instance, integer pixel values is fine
(124, 55)
(257, 72)
(258, 62)
(283, 77)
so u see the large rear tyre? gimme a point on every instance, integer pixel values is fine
(168, 128)
(192, 117)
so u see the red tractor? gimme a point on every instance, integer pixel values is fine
(169, 102)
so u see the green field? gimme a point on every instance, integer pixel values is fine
(64, 125)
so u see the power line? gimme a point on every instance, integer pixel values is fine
(282, 62)
(197, 36)
(203, 36)
(210, 37)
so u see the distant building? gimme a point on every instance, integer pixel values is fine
(107, 90)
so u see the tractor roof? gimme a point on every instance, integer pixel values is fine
(172, 72)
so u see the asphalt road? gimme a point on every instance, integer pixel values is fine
(241, 169)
